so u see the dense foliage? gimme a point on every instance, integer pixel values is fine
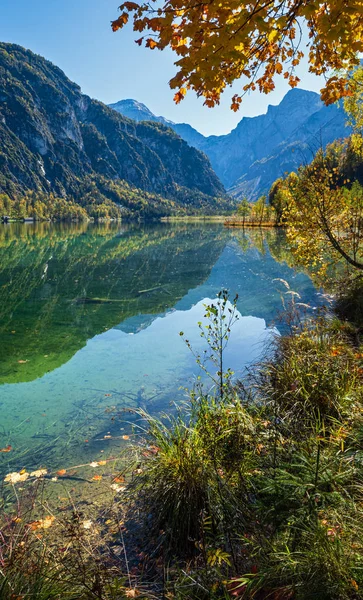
(218, 43)
(322, 206)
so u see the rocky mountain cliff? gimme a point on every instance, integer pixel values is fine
(261, 149)
(53, 138)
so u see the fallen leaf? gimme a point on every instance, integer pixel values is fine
(39, 473)
(125, 437)
(119, 479)
(22, 362)
(61, 472)
(97, 477)
(16, 477)
(118, 488)
(42, 523)
(133, 593)
(6, 449)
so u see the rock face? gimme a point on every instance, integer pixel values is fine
(261, 149)
(52, 136)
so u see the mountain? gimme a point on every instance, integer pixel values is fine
(54, 139)
(139, 112)
(261, 149)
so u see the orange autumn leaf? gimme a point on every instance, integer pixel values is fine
(42, 523)
(97, 477)
(150, 43)
(179, 96)
(6, 449)
(118, 479)
(125, 437)
(61, 472)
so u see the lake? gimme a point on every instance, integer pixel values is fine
(90, 317)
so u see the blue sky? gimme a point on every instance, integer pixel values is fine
(76, 35)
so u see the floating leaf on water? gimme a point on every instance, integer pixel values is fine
(102, 462)
(39, 473)
(94, 464)
(42, 523)
(97, 477)
(125, 437)
(6, 449)
(61, 472)
(16, 477)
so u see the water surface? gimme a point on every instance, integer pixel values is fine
(90, 317)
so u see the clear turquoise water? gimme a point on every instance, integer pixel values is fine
(90, 319)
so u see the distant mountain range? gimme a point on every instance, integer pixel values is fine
(55, 139)
(260, 149)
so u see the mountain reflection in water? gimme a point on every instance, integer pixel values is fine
(90, 317)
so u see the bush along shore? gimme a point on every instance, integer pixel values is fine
(251, 489)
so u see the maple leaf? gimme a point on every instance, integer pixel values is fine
(130, 6)
(150, 43)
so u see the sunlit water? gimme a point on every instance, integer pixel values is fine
(90, 319)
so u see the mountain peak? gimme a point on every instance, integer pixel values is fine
(297, 97)
(134, 110)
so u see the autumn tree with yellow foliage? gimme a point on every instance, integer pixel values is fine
(217, 42)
